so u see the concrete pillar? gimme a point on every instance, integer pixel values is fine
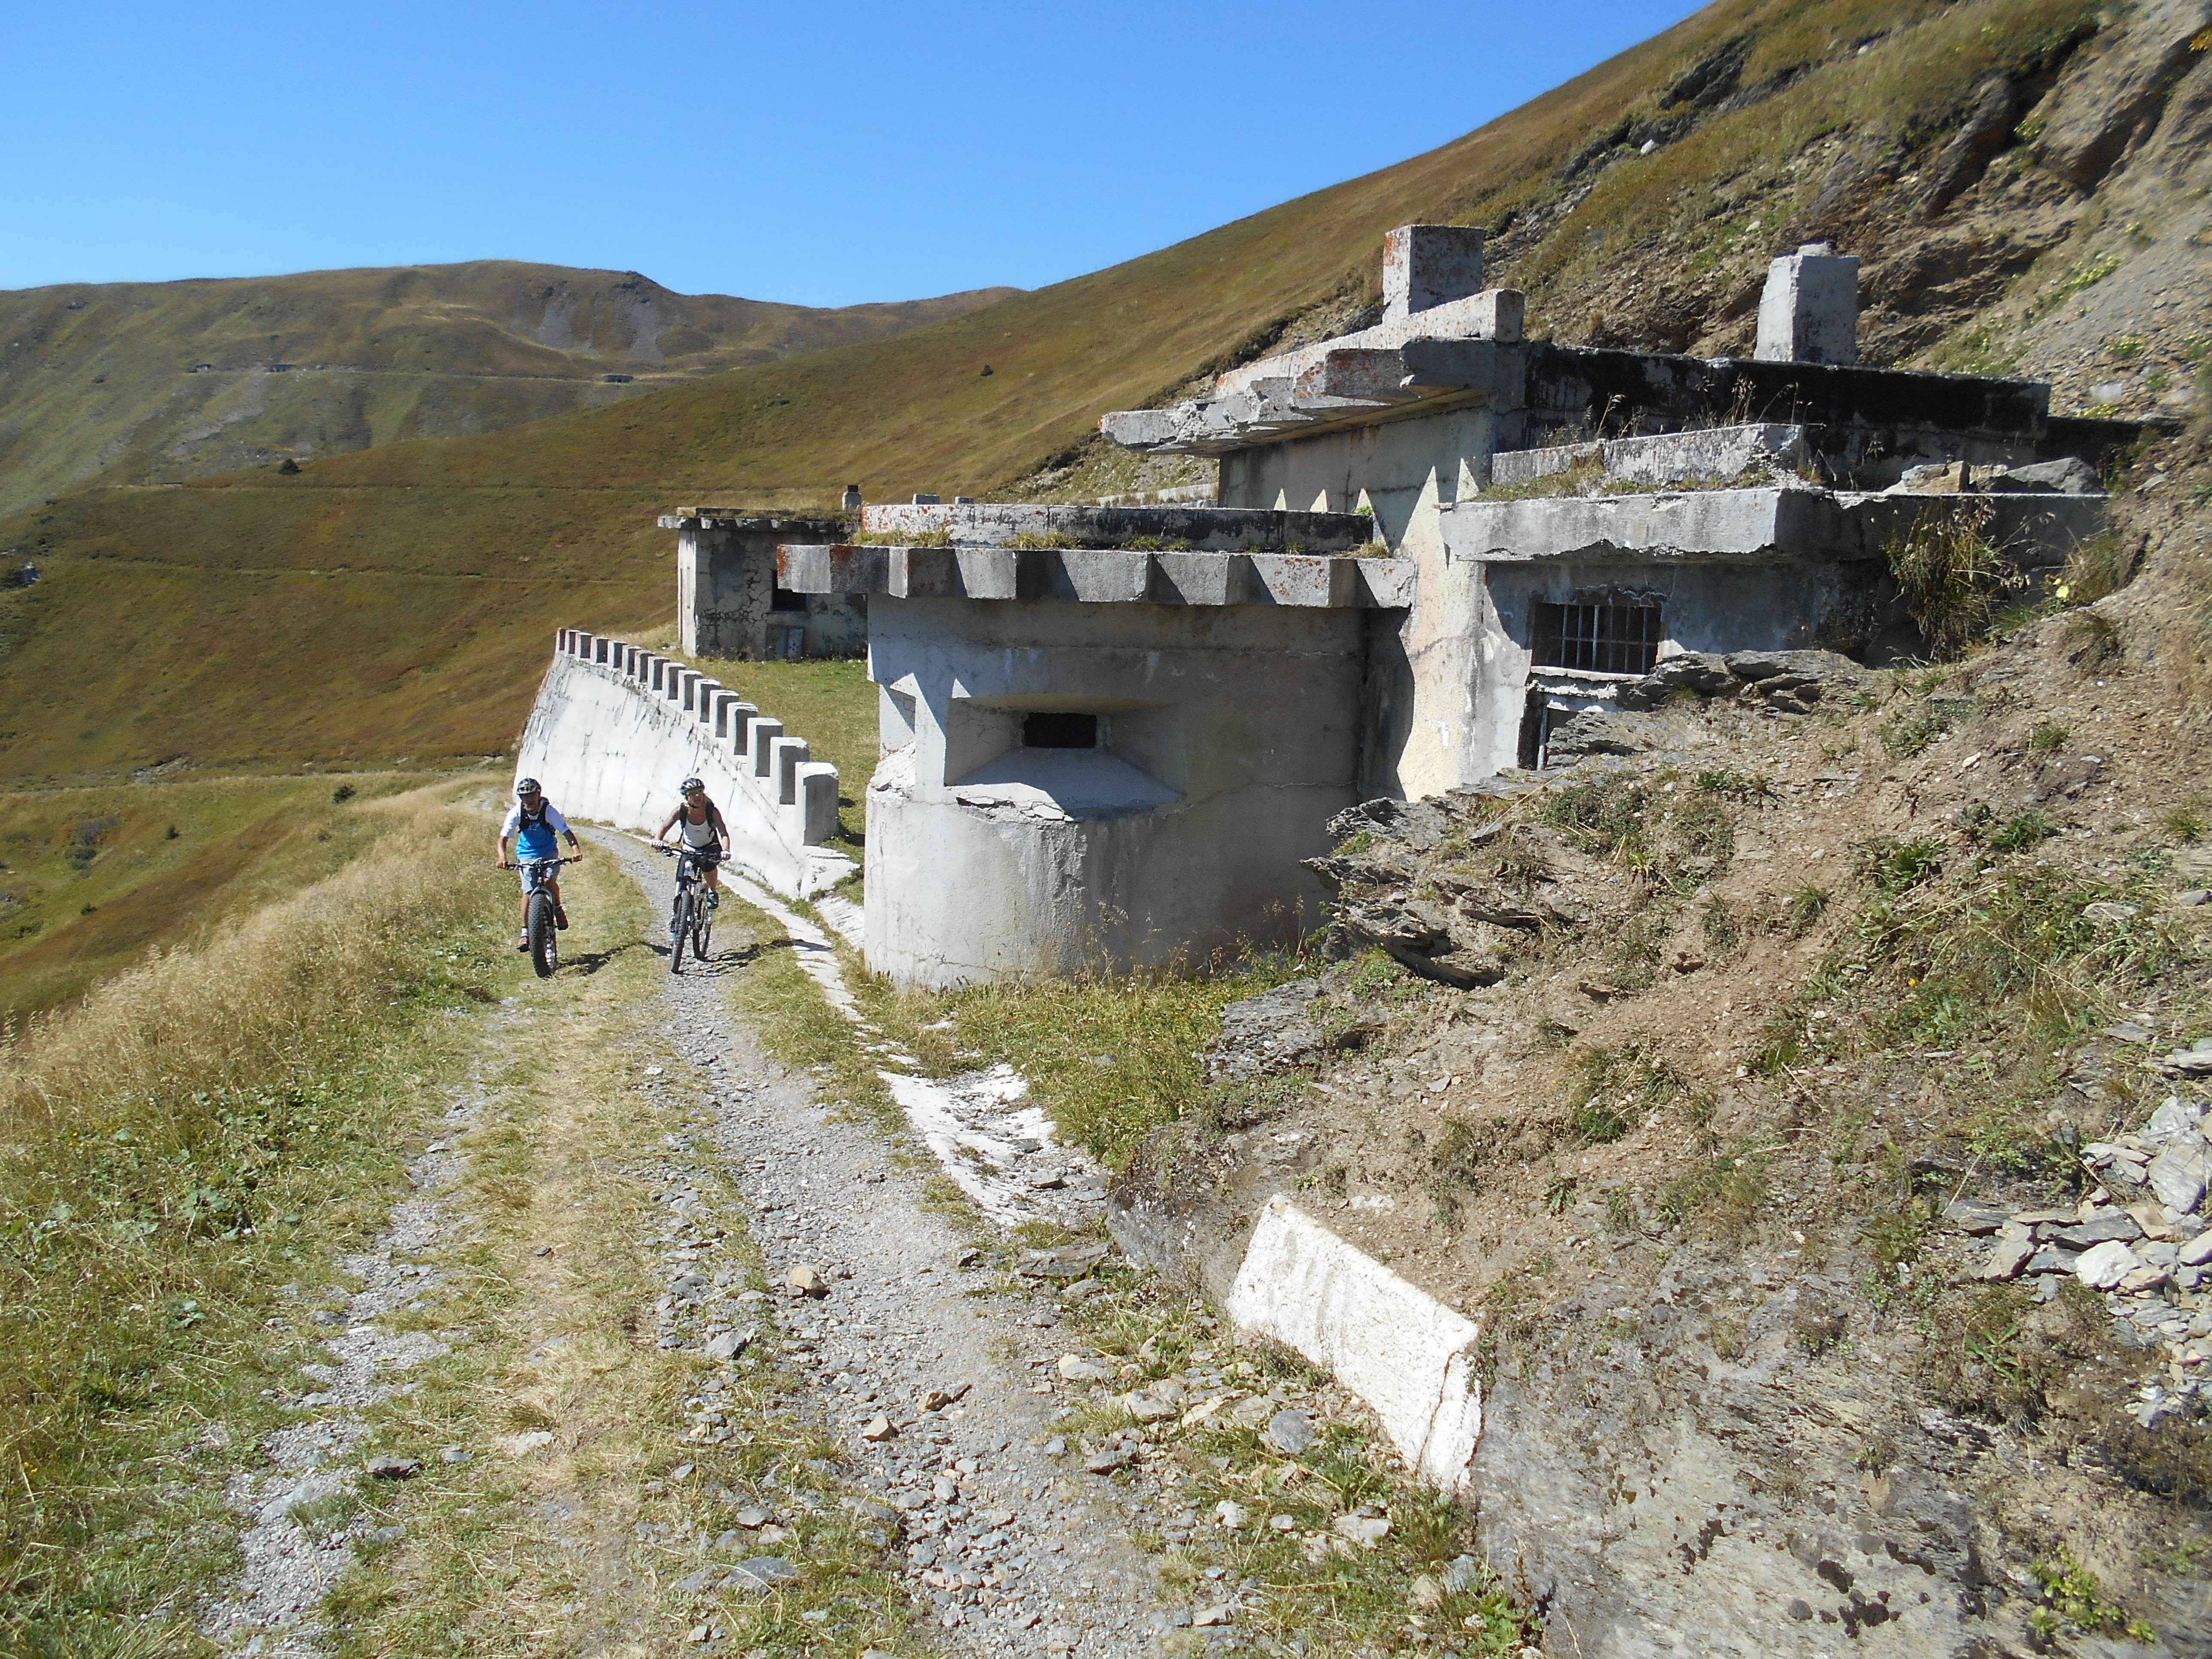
(817, 802)
(921, 500)
(1809, 312)
(717, 710)
(688, 682)
(743, 716)
(852, 501)
(702, 700)
(762, 752)
(791, 753)
(1426, 265)
(602, 649)
(561, 646)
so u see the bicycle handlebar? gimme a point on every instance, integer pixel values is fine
(517, 864)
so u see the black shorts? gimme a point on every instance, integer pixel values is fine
(702, 856)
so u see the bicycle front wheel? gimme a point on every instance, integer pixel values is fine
(679, 930)
(544, 952)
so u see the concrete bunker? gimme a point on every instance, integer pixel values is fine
(729, 603)
(1111, 733)
(1108, 754)
(1575, 517)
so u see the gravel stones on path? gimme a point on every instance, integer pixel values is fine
(272, 1610)
(905, 1352)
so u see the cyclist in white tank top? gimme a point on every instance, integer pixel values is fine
(704, 834)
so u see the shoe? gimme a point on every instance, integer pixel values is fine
(713, 898)
(523, 944)
(560, 920)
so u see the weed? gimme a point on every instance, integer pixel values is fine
(341, 794)
(2099, 566)
(1893, 866)
(1949, 576)
(1460, 1152)
(1737, 786)
(1614, 1088)
(2073, 1598)
(2023, 830)
(1722, 930)
(1605, 818)
(2094, 637)
(1558, 1194)
(1908, 731)
(1803, 909)
(1034, 541)
(2048, 738)
(2188, 820)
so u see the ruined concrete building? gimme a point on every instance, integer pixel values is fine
(1110, 735)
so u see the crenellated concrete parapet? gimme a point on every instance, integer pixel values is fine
(617, 728)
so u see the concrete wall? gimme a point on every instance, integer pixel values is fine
(615, 729)
(1704, 607)
(1228, 737)
(1385, 465)
(725, 596)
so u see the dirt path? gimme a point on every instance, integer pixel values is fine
(1012, 1554)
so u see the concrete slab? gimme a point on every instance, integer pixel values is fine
(1407, 1355)
(1664, 458)
(1102, 576)
(1761, 526)
(1199, 528)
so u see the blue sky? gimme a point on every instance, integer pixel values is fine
(820, 153)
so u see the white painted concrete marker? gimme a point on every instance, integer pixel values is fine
(1397, 1347)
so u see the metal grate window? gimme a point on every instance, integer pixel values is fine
(1604, 638)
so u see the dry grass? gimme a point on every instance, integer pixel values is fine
(171, 1151)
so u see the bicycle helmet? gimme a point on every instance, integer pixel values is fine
(527, 786)
(690, 784)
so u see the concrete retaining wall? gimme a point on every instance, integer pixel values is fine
(615, 729)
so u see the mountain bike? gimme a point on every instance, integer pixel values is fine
(544, 938)
(691, 918)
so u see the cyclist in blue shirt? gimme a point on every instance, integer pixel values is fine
(531, 824)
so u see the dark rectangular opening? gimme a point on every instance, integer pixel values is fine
(1060, 731)
(784, 599)
(1603, 639)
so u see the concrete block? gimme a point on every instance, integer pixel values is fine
(703, 702)
(1303, 579)
(789, 755)
(718, 711)
(1809, 310)
(1665, 458)
(742, 718)
(1424, 267)
(760, 753)
(817, 801)
(1407, 1355)
(1387, 584)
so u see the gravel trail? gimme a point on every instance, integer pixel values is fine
(1015, 1550)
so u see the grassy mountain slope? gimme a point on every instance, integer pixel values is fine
(397, 602)
(138, 382)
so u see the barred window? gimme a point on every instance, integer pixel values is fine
(1604, 639)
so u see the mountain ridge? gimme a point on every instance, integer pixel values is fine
(160, 382)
